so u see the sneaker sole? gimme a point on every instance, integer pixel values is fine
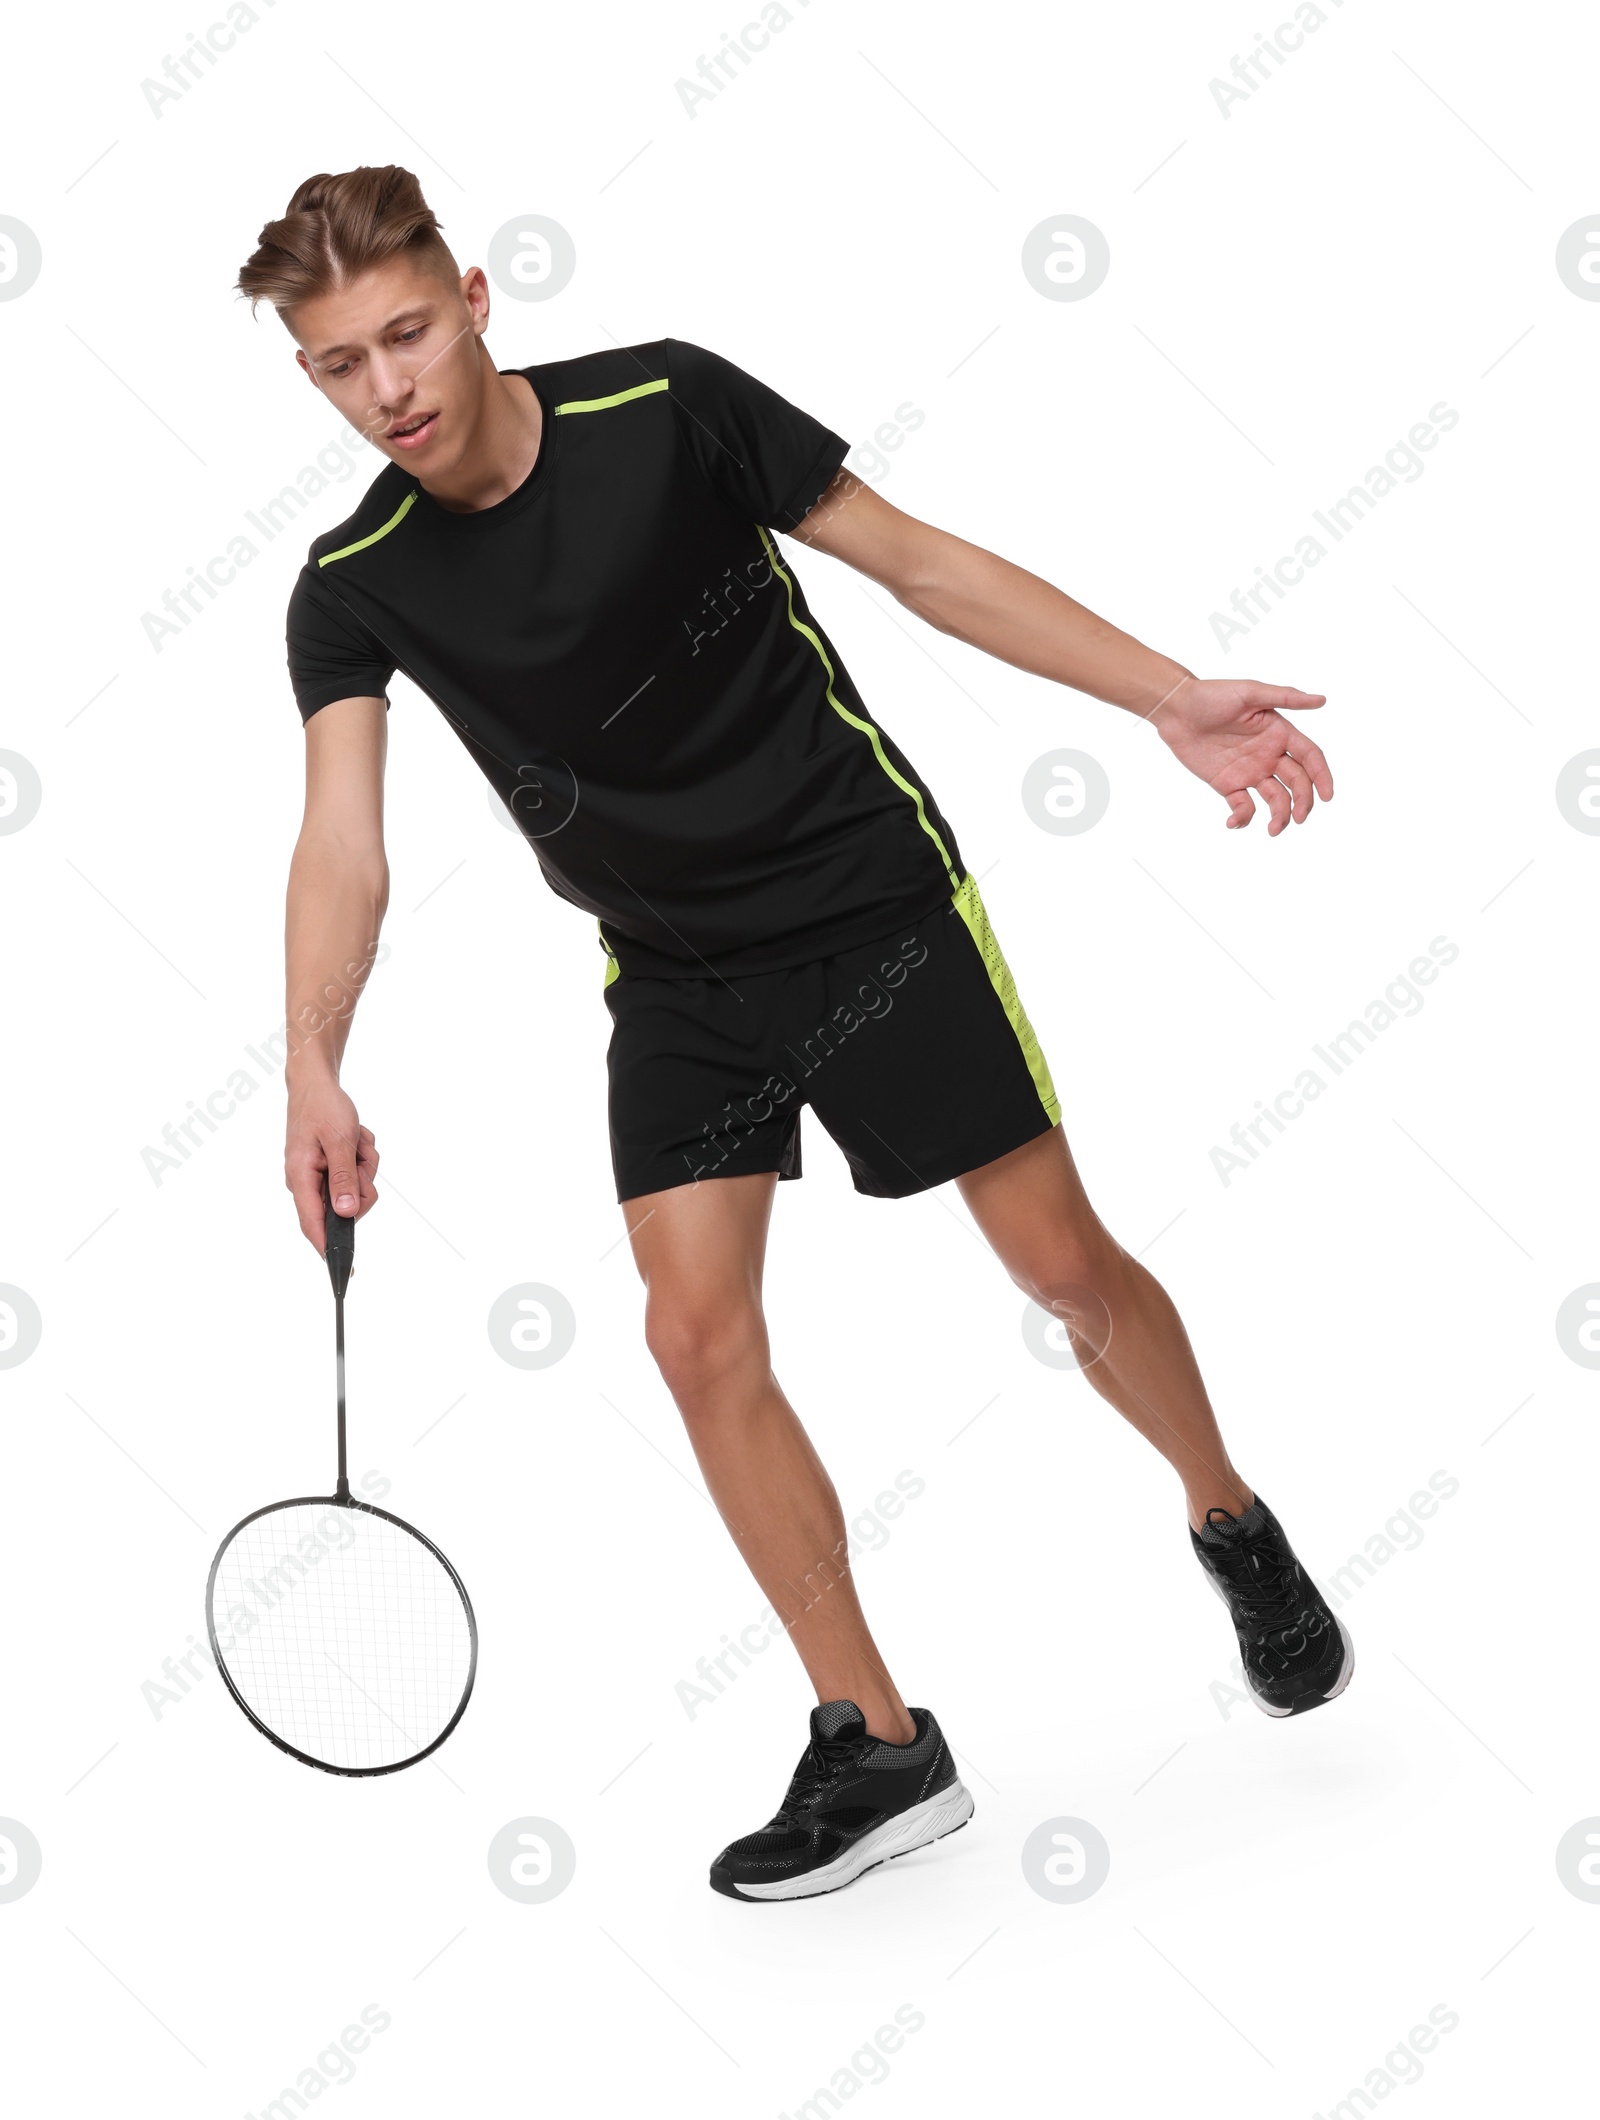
(1307, 1701)
(903, 1834)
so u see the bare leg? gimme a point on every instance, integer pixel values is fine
(700, 1250)
(1032, 1208)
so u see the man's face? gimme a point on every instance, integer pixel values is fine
(397, 352)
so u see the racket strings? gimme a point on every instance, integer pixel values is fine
(344, 1633)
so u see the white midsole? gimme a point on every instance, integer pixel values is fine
(924, 1822)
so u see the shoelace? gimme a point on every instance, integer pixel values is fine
(1268, 1587)
(823, 1761)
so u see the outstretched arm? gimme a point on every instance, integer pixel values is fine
(1228, 731)
(338, 890)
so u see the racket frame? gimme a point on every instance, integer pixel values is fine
(344, 1501)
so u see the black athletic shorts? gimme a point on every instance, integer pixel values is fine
(914, 1052)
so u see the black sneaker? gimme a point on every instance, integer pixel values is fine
(854, 1802)
(1295, 1653)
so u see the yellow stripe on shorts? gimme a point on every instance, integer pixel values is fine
(970, 906)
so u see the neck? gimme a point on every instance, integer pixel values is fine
(502, 451)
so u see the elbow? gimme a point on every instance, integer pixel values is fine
(927, 598)
(372, 875)
(327, 860)
(929, 579)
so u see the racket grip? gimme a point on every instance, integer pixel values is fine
(339, 1245)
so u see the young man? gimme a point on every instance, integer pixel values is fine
(575, 561)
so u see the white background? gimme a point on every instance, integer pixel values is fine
(1373, 1300)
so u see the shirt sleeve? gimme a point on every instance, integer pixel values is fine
(332, 655)
(758, 452)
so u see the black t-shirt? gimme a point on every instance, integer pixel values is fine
(627, 655)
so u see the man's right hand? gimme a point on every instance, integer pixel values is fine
(326, 1135)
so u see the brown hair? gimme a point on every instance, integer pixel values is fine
(337, 227)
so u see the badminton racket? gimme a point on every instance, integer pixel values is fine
(342, 1632)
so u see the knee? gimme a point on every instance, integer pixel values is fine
(1078, 1281)
(698, 1346)
(1071, 1268)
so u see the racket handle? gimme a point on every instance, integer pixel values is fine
(339, 1242)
